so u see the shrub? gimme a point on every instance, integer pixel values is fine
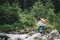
(9, 14)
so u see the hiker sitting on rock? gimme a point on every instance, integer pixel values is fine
(41, 22)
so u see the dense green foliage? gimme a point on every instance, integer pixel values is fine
(9, 14)
(20, 14)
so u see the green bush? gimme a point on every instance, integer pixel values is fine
(57, 21)
(13, 18)
(27, 20)
(9, 14)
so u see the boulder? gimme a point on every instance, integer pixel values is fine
(36, 35)
(53, 34)
(45, 37)
(23, 36)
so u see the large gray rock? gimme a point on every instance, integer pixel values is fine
(34, 36)
(53, 34)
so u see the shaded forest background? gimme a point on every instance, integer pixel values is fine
(22, 14)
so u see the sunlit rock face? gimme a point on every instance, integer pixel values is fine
(56, 39)
(29, 38)
(34, 36)
(16, 36)
(13, 36)
(23, 36)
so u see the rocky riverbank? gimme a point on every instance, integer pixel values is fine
(53, 35)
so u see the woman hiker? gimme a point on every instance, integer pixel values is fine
(40, 24)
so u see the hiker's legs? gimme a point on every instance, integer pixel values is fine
(43, 29)
(39, 29)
